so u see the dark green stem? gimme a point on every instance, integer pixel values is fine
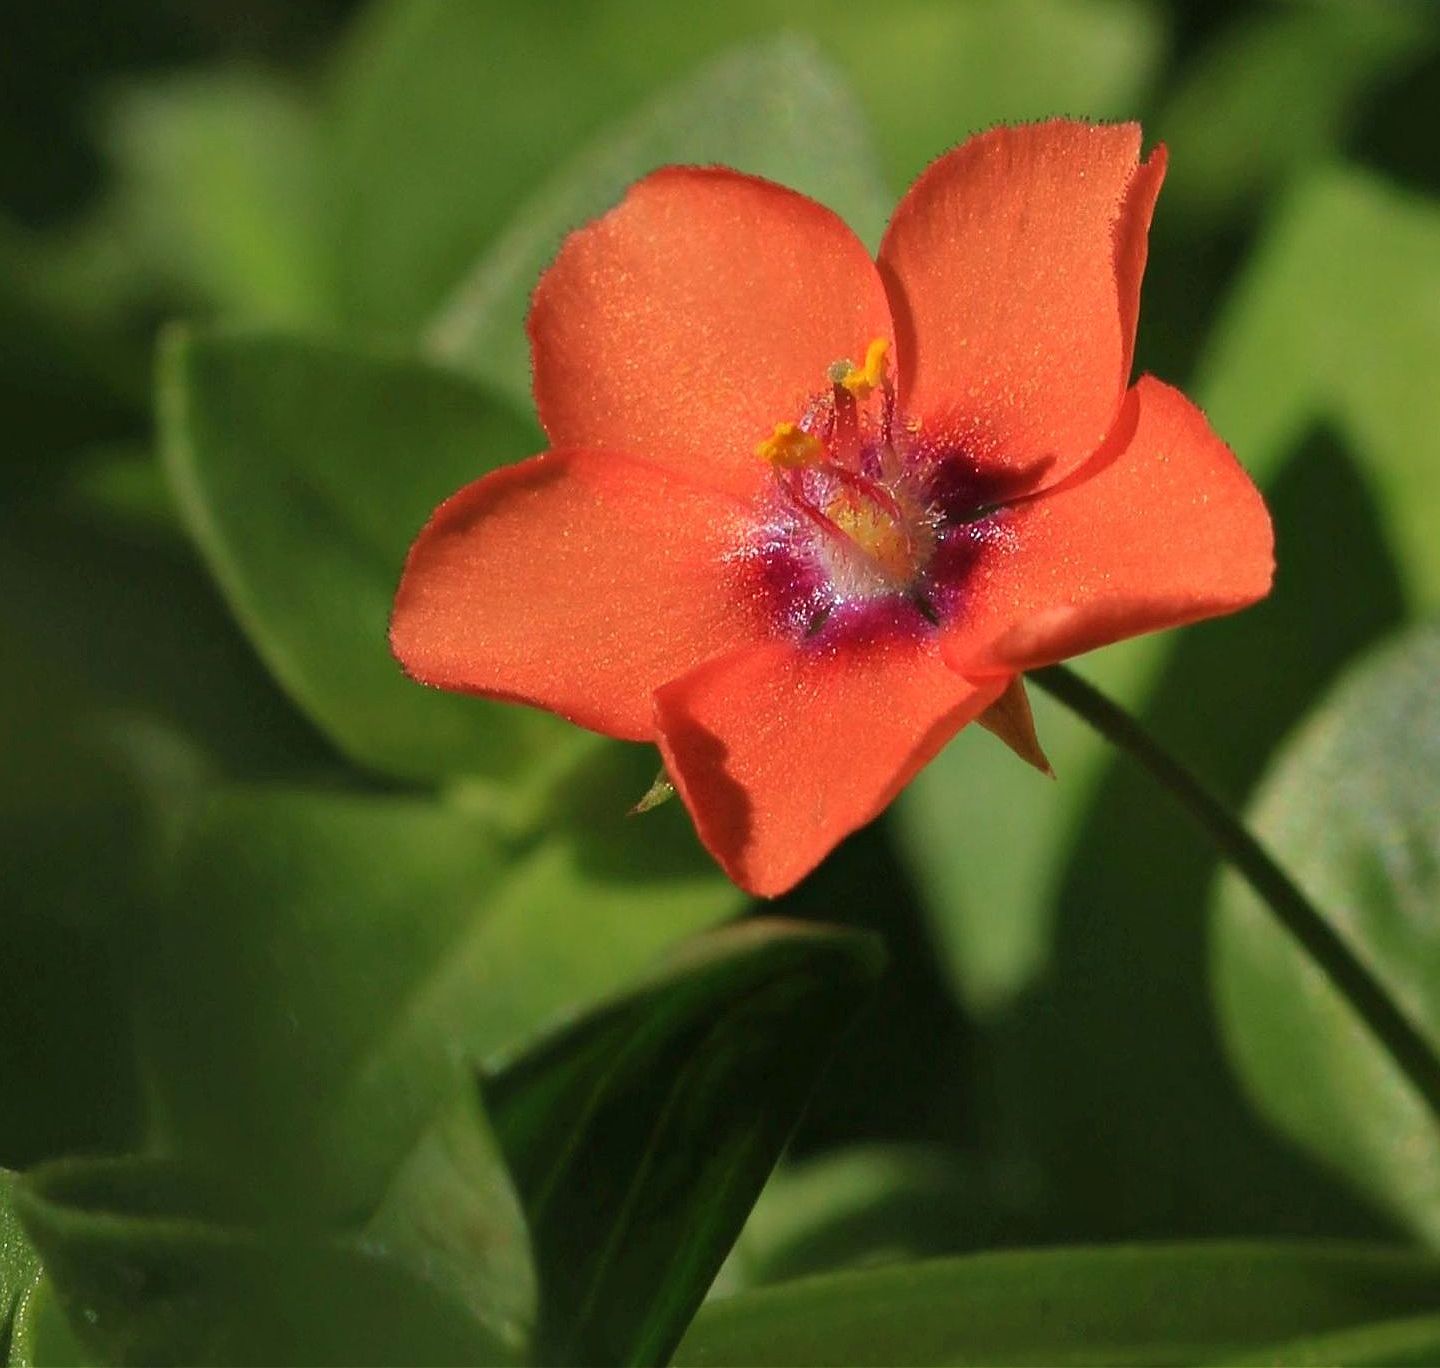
(1350, 976)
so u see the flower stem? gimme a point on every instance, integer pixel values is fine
(1350, 976)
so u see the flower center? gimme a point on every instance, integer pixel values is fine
(852, 515)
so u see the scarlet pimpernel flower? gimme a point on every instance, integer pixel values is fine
(805, 515)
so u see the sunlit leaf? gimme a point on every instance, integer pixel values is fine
(985, 836)
(681, 1094)
(221, 193)
(1301, 345)
(1320, 61)
(1304, 340)
(930, 74)
(775, 110)
(1352, 809)
(442, 123)
(339, 960)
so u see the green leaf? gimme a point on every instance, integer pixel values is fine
(870, 1204)
(1301, 343)
(451, 1214)
(1300, 347)
(1325, 58)
(41, 1337)
(19, 1265)
(222, 195)
(931, 74)
(338, 961)
(1126, 991)
(1405, 1342)
(1134, 1304)
(105, 618)
(1352, 810)
(774, 109)
(985, 836)
(66, 380)
(438, 130)
(152, 1265)
(681, 1094)
(408, 103)
(304, 472)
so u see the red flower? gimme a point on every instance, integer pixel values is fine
(803, 519)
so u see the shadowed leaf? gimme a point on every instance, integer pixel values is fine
(1163, 1304)
(640, 1136)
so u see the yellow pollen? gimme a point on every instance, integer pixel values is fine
(790, 447)
(861, 380)
(876, 533)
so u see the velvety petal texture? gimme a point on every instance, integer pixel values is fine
(1166, 528)
(1014, 267)
(580, 582)
(691, 319)
(801, 628)
(780, 751)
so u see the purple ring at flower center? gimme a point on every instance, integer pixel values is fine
(879, 547)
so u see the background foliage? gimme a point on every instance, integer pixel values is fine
(344, 1021)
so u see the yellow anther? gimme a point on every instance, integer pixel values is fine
(790, 447)
(861, 380)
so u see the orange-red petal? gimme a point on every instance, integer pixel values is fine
(1013, 266)
(695, 316)
(780, 751)
(1166, 528)
(578, 581)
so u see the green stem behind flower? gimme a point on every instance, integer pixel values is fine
(1364, 992)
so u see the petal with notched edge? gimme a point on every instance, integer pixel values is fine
(1013, 266)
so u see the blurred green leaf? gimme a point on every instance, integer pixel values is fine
(773, 109)
(339, 960)
(303, 472)
(1404, 1342)
(1126, 991)
(123, 485)
(985, 836)
(929, 74)
(104, 616)
(681, 1094)
(451, 1215)
(221, 193)
(1301, 344)
(1277, 91)
(19, 1265)
(870, 1204)
(61, 386)
(41, 1337)
(81, 792)
(152, 1265)
(1352, 810)
(1121, 1305)
(444, 115)
(450, 115)
(1335, 319)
